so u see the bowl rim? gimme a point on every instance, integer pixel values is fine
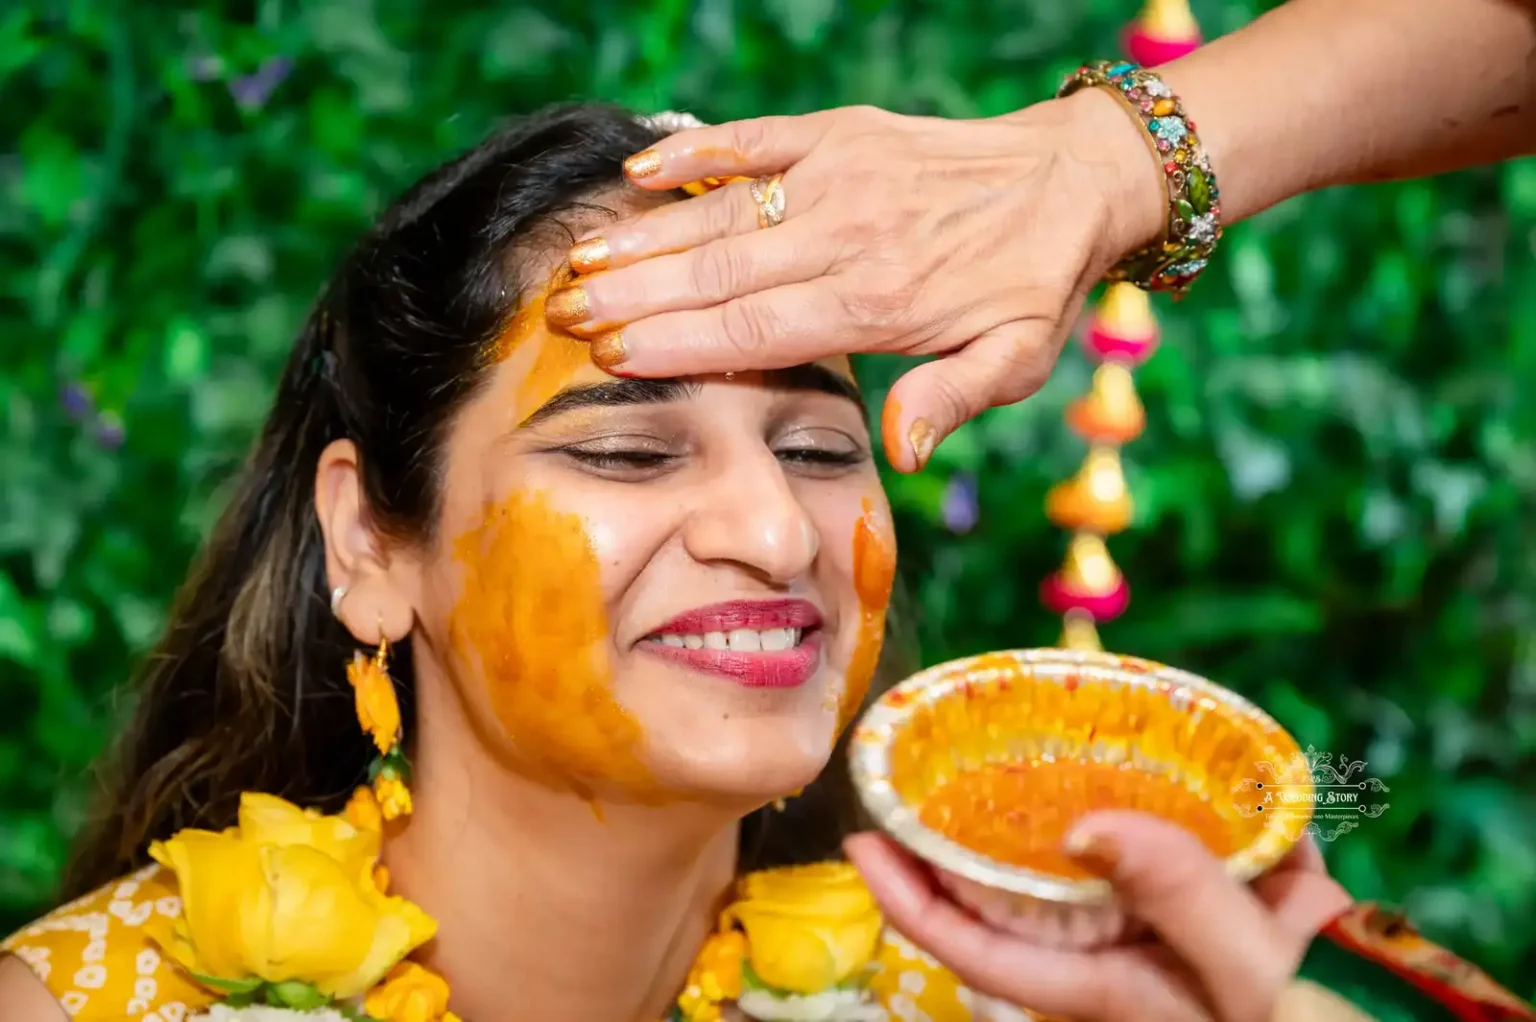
(870, 747)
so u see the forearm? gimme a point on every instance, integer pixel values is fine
(1327, 92)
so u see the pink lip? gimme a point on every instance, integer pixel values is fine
(753, 614)
(788, 668)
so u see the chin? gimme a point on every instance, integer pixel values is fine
(716, 739)
(745, 764)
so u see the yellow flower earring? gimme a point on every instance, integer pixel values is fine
(378, 711)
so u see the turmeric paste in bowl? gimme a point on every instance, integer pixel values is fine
(981, 766)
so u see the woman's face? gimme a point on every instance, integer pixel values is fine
(658, 590)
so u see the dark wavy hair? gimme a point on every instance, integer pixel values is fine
(245, 691)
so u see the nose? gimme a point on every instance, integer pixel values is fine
(751, 516)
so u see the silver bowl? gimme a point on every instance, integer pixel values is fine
(1050, 705)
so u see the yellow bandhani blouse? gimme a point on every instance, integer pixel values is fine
(94, 954)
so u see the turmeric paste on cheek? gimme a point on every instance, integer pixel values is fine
(531, 622)
(874, 572)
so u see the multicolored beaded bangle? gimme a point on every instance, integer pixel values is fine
(1194, 210)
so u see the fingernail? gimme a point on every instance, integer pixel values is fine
(568, 306)
(590, 256)
(922, 436)
(1096, 853)
(609, 350)
(643, 165)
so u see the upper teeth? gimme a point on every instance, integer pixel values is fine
(745, 639)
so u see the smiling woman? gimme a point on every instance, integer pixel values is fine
(625, 617)
(613, 622)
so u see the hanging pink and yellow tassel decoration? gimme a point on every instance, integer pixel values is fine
(1165, 30)
(1122, 333)
(1095, 503)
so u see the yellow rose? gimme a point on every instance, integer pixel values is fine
(269, 820)
(287, 895)
(808, 928)
(410, 993)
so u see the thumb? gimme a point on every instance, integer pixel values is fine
(1169, 880)
(931, 401)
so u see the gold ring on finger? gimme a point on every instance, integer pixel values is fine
(768, 193)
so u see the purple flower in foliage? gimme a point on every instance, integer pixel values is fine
(76, 401)
(960, 507)
(253, 90)
(109, 432)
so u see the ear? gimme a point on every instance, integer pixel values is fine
(378, 602)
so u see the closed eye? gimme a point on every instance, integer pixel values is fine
(620, 460)
(820, 456)
(820, 462)
(640, 464)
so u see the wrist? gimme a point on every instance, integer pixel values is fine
(1112, 152)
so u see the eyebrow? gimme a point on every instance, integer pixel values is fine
(615, 393)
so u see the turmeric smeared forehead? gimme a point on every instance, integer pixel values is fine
(539, 361)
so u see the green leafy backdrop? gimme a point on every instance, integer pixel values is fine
(1333, 494)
